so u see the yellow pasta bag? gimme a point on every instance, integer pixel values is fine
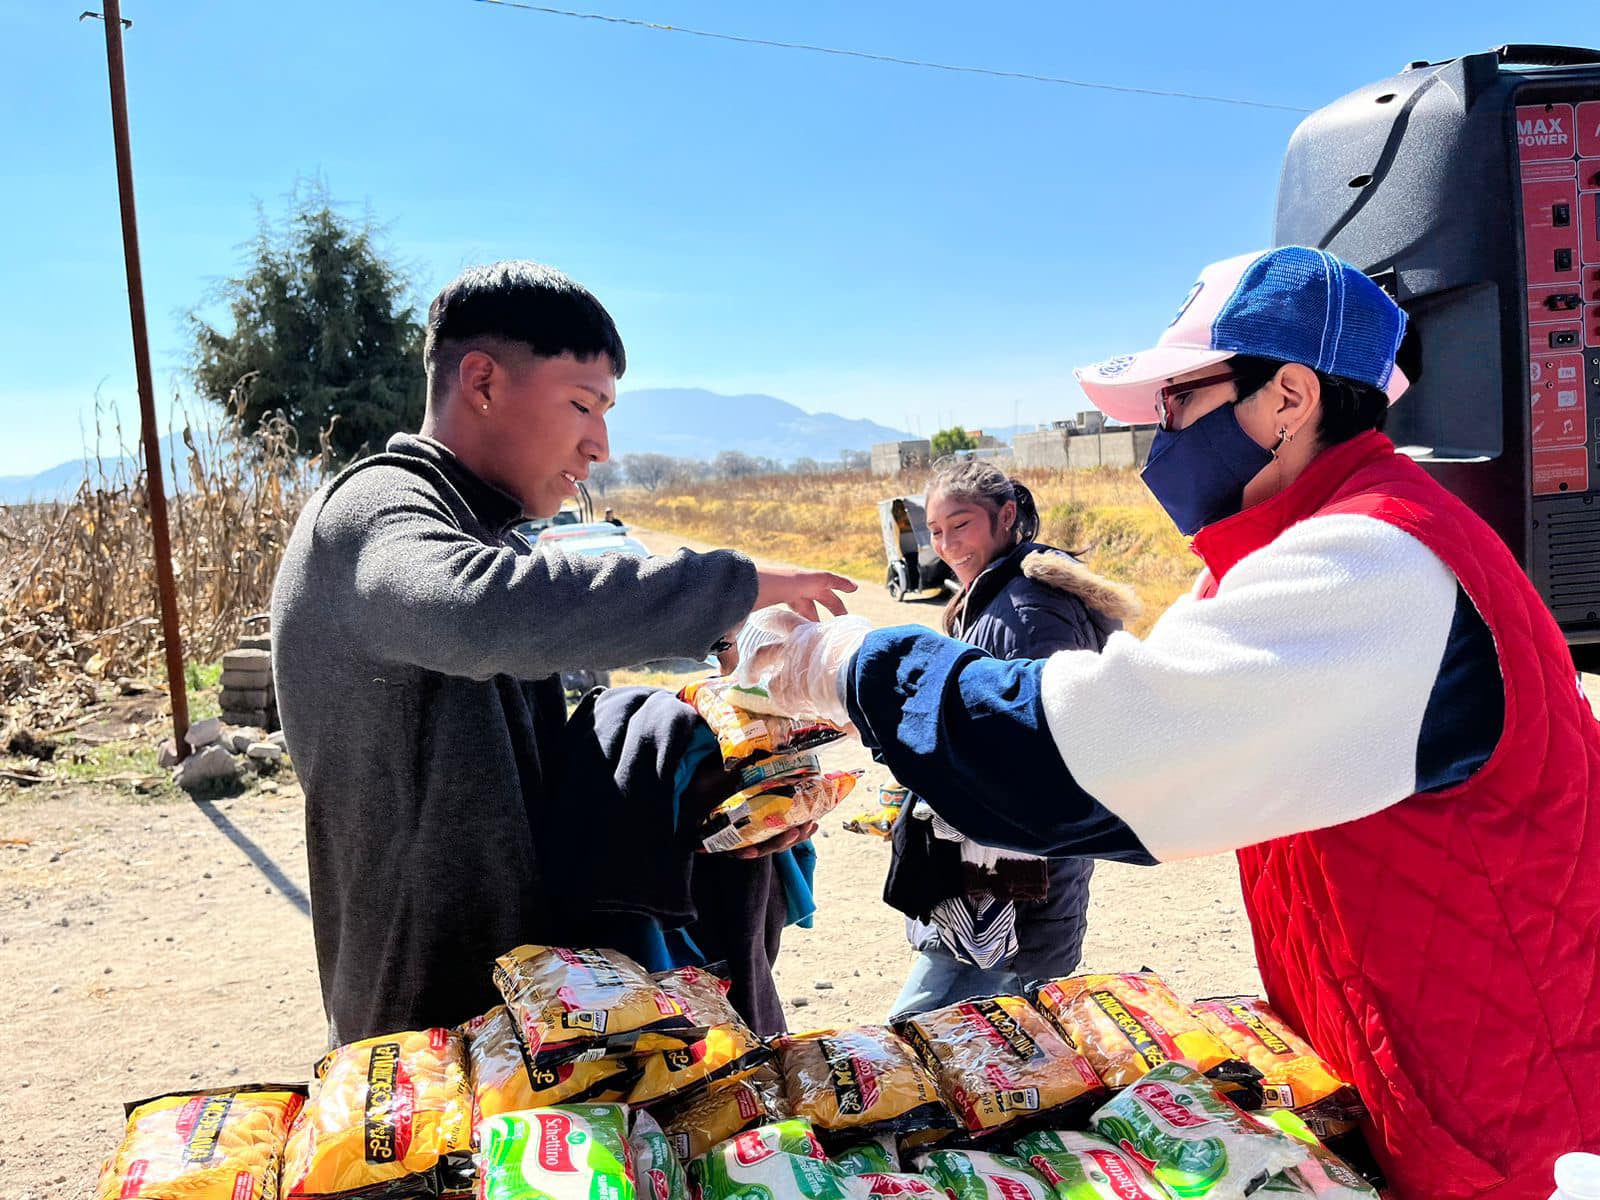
(998, 1062)
(568, 1003)
(751, 817)
(1127, 1024)
(726, 1052)
(209, 1145)
(503, 1082)
(862, 1081)
(746, 737)
(381, 1110)
(729, 1050)
(1294, 1076)
(714, 1115)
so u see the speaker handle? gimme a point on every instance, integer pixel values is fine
(1533, 54)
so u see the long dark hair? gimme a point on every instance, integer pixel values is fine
(986, 485)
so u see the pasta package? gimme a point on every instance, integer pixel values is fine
(716, 1114)
(382, 1110)
(568, 1003)
(874, 1156)
(502, 1080)
(860, 1082)
(569, 1152)
(892, 1185)
(974, 1175)
(779, 1161)
(770, 769)
(999, 1062)
(1127, 1024)
(657, 1173)
(208, 1145)
(1293, 1074)
(746, 737)
(729, 1049)
(1192, 1140)
(751, 817)
(1325, 1174)
(1080, 1167)
(726, 1052)
(700, 992)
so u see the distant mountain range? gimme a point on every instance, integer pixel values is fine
(682, 422)
(695, 423)
(61, 481)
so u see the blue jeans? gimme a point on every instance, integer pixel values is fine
(938, 979)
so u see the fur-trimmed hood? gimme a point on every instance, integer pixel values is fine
(1058, 570)
(1036, 600)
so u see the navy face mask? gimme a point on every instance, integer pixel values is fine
(1198, 473)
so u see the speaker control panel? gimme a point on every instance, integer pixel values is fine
(1558, 147)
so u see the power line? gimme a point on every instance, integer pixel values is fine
(891, 58)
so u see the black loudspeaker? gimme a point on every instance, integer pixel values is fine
(1471, 190)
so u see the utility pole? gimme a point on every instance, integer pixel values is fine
(154, 484)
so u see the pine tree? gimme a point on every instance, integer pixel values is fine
(322, 332)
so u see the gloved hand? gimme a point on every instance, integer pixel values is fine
(798, 661)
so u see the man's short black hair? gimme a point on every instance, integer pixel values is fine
(1348, 407)
(523, 302)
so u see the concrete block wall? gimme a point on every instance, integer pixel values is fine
(1056, 449)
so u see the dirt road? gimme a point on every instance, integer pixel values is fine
(152, 947)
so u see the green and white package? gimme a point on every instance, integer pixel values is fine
(780, 1161)
(656, 1169)
(1325, 1175)
(1081, 1167)
(892, 1185)
(567, 1152)
(1180, 1129)
(876, 1156)
(977, 1175)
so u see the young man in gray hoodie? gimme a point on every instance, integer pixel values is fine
(452, 811)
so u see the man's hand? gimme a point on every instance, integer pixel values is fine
(802, 590)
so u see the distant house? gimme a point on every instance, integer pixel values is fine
(892, 458)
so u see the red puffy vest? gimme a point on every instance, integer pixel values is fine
(1444, 954)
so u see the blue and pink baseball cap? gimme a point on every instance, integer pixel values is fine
(1292, 304)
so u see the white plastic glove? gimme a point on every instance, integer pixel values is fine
(799, 662)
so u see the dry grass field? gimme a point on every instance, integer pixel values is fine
(831, 522)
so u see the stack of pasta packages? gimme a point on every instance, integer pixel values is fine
(781, 784)
(597, 1081)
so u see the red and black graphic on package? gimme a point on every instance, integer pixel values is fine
(199, 1124)
(391, 1103)
(1000, 1027)
(855, 1081)
(1147, 1036)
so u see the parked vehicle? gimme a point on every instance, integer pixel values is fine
(913, 566)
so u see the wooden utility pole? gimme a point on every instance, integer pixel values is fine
(154, 484)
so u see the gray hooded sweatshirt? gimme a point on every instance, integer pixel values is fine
(415, 643)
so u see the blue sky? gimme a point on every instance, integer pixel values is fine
(907, 245)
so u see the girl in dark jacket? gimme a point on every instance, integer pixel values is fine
(987, 921)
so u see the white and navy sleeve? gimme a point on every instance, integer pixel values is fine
(1336, 671)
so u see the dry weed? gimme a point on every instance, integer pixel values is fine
(78, 601)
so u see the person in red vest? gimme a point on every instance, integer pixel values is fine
(1364, 697)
